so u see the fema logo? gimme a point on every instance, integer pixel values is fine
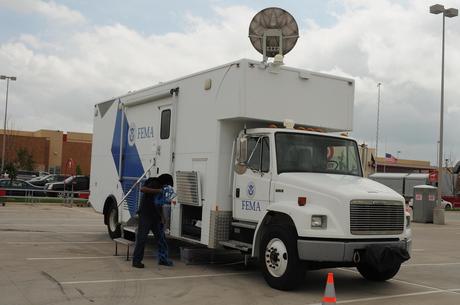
(132, 134)
(251, 189)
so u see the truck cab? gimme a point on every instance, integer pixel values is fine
(305, 195)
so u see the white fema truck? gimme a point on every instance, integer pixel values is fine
(252, 169)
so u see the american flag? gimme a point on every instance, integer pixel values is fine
(390, 158)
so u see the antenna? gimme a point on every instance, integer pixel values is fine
(273, 31)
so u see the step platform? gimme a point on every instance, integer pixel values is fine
(125, 242)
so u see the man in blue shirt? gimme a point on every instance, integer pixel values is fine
(149, 219)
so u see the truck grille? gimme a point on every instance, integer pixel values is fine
(376, 217)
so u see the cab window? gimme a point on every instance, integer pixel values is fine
(259, 154)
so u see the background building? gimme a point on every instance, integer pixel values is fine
(386, 165)
(50, 150)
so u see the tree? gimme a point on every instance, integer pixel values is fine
(78, 170)
(24, 159)
(10, 169)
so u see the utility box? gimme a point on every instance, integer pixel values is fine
(424, 203)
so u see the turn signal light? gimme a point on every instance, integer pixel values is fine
(302, 201)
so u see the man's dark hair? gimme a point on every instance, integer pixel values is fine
(166, 179)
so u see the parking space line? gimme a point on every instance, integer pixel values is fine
(402, 281)
(51, 232)
(56, 242)
(77, 257)
(51, 225)
(432, 264)
(93, 213)
(196, 276)
(385, 297)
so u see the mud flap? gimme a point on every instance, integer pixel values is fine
(384, 257)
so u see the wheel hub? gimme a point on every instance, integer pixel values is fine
(276, 257)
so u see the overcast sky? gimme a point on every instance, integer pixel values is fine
(71, 54)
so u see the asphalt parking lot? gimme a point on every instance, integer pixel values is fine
(62, 255)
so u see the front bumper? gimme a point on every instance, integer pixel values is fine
(341, 251)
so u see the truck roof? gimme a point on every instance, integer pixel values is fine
(240, 61)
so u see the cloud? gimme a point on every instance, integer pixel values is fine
(48, 9)
(372, 41)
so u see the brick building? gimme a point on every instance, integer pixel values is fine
(51, 150)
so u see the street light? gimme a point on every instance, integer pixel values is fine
(377, 130)
(8, 78)
(450, 12)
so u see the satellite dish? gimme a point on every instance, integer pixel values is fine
(273, 31)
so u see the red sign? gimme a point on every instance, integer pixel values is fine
(433, 176)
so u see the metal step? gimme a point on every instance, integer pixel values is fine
(238, 245)
(247, 225)
(131, 229)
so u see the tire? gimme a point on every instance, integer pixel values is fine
(373, 274)
(113, 226)
(448, 207)
(279, 258)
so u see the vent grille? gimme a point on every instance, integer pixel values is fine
(188, 188)
(376, 217)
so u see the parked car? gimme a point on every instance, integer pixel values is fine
(19, 187)
(27, 175)
(75, 183)
(41, 181)
(447, 205)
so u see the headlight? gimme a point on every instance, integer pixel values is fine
(407, 221)
(319, 221)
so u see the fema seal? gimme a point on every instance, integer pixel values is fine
(251, 189)
(132, 134)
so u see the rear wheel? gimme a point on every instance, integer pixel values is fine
(113, 226)
(374, 274)
(279, 259)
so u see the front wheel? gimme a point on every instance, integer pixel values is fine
(113, 226)
(279, 259)
(372, 273)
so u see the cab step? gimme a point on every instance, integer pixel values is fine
(238, 245)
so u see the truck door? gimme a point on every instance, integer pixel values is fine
(164, 148)
(251, 193)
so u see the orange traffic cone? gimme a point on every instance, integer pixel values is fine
(329, 292)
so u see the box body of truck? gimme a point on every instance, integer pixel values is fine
(191, 128)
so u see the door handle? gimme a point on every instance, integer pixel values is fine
(237, 192)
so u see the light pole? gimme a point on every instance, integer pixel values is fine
(450, 12)
(8, 78)
(377, 132)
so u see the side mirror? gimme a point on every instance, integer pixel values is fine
(241, 155)
(242, 150)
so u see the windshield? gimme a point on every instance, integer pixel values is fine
(297, 152)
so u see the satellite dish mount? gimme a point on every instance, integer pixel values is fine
(273, 31)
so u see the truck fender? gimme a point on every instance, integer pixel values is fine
(275, 214)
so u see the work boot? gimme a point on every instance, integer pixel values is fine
(138, 265)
